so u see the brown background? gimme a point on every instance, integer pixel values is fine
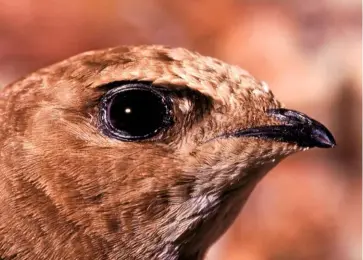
(309, 51)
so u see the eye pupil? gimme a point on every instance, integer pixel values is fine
(134, 112)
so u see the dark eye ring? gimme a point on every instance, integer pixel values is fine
(134, 111)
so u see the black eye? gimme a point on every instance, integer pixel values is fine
(134, 112)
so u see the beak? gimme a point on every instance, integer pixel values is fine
(295, 128)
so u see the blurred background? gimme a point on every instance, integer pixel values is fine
(309, 51)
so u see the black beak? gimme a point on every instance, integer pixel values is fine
(295, 128)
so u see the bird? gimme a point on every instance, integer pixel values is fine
(137, 152)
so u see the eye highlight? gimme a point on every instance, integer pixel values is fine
(134, 112)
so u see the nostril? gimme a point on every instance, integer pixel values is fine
(288, 116)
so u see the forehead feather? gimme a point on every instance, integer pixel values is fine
(170, 66)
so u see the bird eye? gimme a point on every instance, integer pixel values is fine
(134, 112)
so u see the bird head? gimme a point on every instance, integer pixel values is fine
(143, 151)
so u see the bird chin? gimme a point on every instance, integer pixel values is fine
(222, 215)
